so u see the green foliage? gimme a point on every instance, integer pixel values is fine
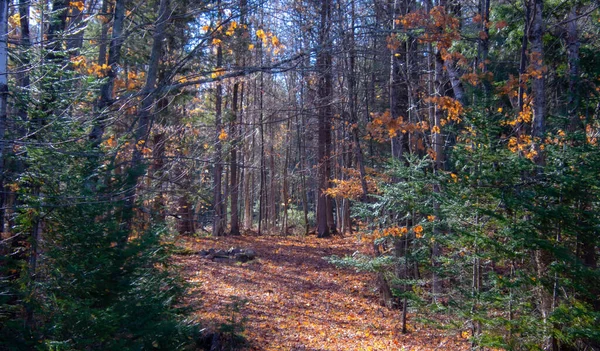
(102, 295)
(88, 281)
(296, 218)
(98, 287)
(523, 225)
(516, 237)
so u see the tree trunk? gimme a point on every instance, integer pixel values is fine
(537, 61)
(272, 202)
(158, 155)
(575, 122)
(352, 96)
(324, 65)
(523, 64)
(75, 30)
(3, 99)
(261, 193)
(234, 185)
(218, 228)
(145, 117)
(114, 57)
(248, 182)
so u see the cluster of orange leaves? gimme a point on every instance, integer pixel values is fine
(77, 4)
(510, 88)
(141, 146)
(440, 26)
(452, 107)
(524, 116)
(221, 31)
(98, 70)
(124, 150)
(351, 187)
(592, 134)
(14, 21)
(536, 69)
(228, 30)
(397, 231)
(268, 40)
(474, 78)
(80, 63)
(385, 126)
(134, 80)
(525, 145)
(223, 135)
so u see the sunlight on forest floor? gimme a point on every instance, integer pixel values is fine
(292, 299)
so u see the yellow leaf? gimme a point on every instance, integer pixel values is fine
(418, 231)
(78, 61)
(251, 47)
(77, 4)
(275, 41)
(223, 135)
(218, 72)
(261, 34)
(231, 29)
(14, 20)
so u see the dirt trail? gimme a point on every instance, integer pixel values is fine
(296, 300)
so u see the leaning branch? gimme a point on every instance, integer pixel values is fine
(277, 67)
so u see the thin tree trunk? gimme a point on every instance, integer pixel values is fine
(9, 199)
(354, 130)
(261, 194)
(439, 158)
(218, 228)
(234, 185)
(284, 186)
(523, 63)
(145, 118)
(325, 225)
(158, 155)
(3, 99)
(75, 29)
(248, 181)
(573, 61)
(484, 43)
(114, 57)
(302, 158)
(537, 61)
(272, 202)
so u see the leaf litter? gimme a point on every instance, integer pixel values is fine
(293, 299)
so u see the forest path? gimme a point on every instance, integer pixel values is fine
(296, 300)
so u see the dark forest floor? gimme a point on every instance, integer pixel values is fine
(290, 298)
